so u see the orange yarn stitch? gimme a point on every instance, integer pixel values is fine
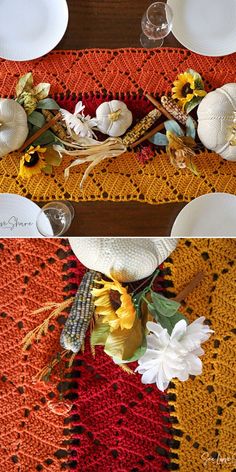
(204, 407)
(32, 272)
(120, 73)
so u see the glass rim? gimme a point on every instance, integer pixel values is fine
(167, 7)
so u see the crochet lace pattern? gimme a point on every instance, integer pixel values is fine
(32, 272)
(203, 408)
(126, 74)
(119, 424)
(116, 423)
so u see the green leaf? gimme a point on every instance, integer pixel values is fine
(173, 126)
(198, 84)
(48, 104)
(159, 139)
(195, 74)
(165, 311)
(169, 323)
(163, 305)
(47, 169)
(52, 157)
(45, 139)
(137, 301)
(42, 90)
(99, 334)
(36, 119)
(192, 104)
(190, 127)
(24, 84)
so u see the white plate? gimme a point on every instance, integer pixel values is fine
(207, 27)
(18, 217)
(31, 28)
(211, 215)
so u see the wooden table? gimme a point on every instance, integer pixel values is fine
(114, 24)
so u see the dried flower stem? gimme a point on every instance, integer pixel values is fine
(190, 287)
(38, 133)
(43, 328)
(148, 135)
(159, 107)
(48, 368)
(72, 358)
(126, 369)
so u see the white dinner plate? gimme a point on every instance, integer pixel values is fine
(211, 215)
(207, 27)
(31, 28)
(18, 217)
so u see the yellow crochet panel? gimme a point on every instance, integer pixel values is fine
(204, 406)
(123, 178)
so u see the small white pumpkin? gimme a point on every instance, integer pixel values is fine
(126, 259)
(113, 118)
(216, 118)
(13, 126)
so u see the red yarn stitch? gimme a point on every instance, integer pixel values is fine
(121, 421)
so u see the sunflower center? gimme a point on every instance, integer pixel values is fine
(115, 299)
(34, 158)
(186, 89)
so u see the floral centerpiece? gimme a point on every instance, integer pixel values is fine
(54, 132)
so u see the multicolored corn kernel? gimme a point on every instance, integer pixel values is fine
(77, 323)
(141, 127)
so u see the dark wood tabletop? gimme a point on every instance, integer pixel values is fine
(114, 24)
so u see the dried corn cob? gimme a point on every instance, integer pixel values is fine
(77, 323)
(172, 107)
(57, 128)
(141, 127)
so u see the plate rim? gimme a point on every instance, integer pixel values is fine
(204, 196)
(17, 196)
(33, 57)
(192, 48)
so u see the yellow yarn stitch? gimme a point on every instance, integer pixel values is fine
(204, 406)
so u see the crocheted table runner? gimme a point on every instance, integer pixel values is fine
(203, 409)
(32, 272)
(126, 74)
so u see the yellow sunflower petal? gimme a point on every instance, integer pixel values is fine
(105, 311)
(27, 172)
(103, 300)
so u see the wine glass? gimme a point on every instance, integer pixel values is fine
(55, 218)
(156, 25)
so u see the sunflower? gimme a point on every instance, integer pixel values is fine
(113, 302)
(32, 162)
(185, 89)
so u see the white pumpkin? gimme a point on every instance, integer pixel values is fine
(126, 259)
(113, 118)
(13, 126)
(216, 115)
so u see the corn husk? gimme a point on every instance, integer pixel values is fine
(90, 150)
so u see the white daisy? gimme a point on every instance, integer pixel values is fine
(78, 123)
(173, 356)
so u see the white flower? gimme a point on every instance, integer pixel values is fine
(80, 124)
(176, 355)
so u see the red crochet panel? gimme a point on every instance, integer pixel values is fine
(117, 423)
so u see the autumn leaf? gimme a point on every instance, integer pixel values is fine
(25, 84)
